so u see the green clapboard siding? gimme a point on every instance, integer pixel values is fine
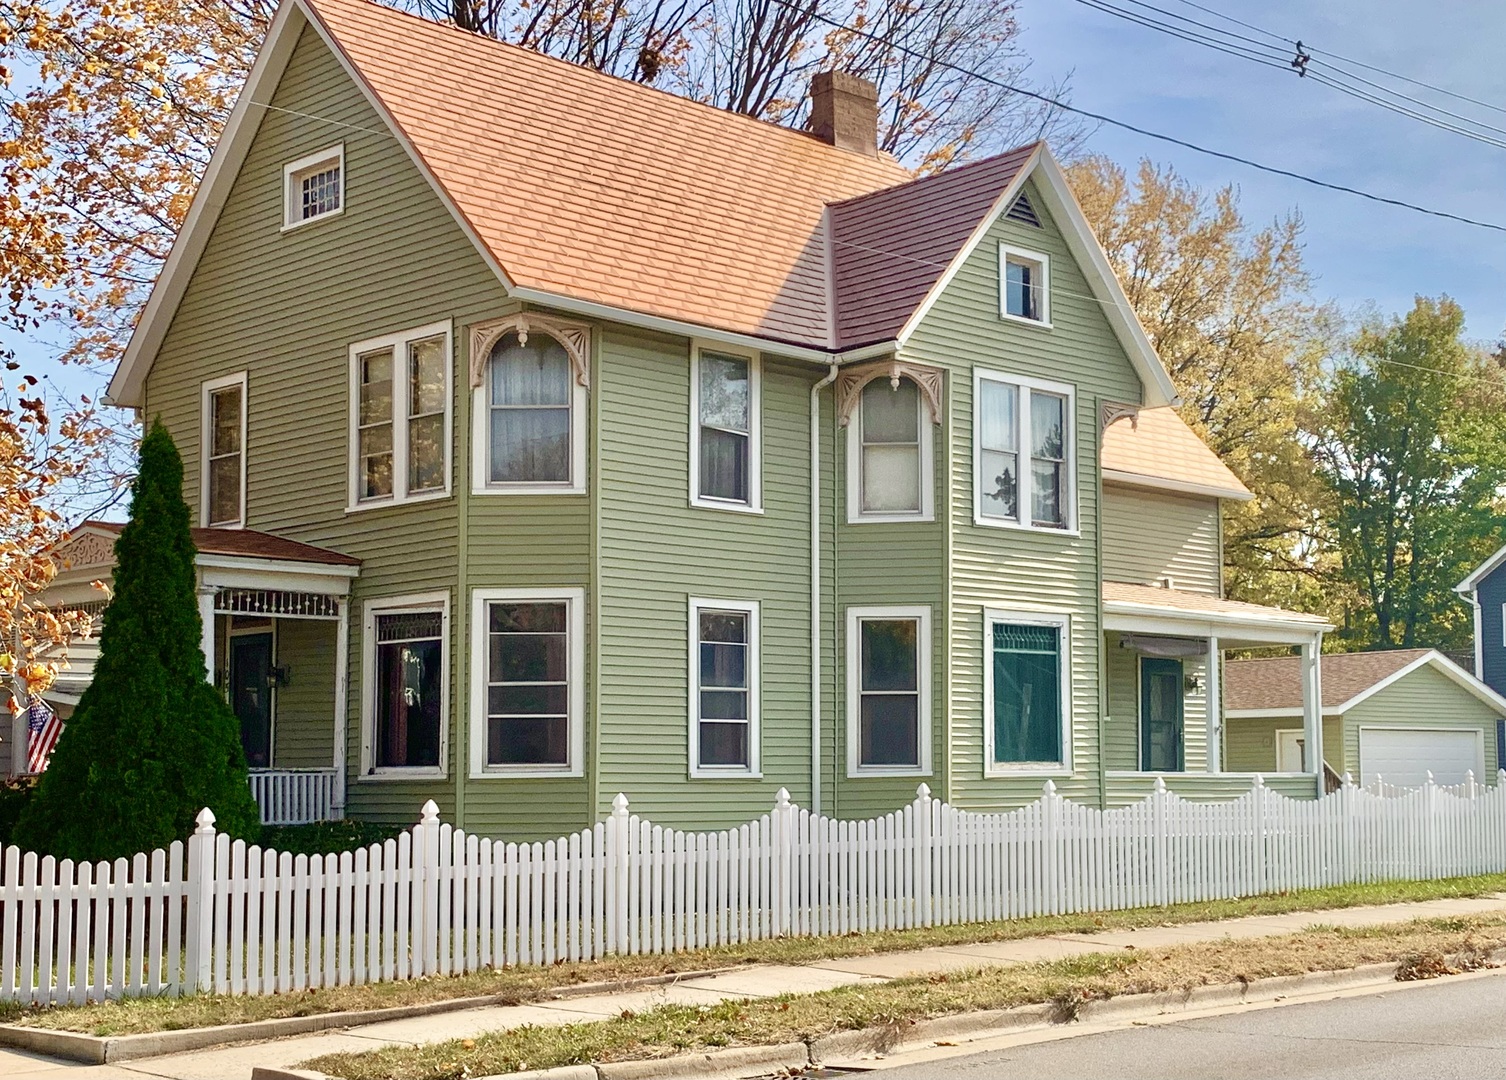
(1425, 698)
(657, 551)
(1150, 535)
(1250, 742)
(1013, 569)
(304, 736)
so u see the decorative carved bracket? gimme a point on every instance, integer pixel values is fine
(1114, 410)
(850, 383)
(575, 338)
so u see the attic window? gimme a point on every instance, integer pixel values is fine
(1022, 211)
(314, 187)
(1024, 286)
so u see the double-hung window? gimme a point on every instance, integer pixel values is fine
(223, 442)
(528, 690)
(313, 187)
(1023, 453)
(724, 432)
(400, 417)
(1025, 690)
(530, 418)
(1024, 286)
(406, 685)
(888, 690)
(724, 688)
(889, 454)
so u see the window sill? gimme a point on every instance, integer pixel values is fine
(714, 504)
(713, 773)
(1052, 770)
(397, 775)
(526, 772)
(385, 504)
(889, 519)
(226, 525)
(293, 226)
(1020, 526)
(1039, 324)
(529, 489)
(872, 772)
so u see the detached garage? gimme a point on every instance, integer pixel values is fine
(1394, 715)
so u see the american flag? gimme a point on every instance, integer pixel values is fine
(43, 728)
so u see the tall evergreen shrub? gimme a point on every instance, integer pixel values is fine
(151, 742)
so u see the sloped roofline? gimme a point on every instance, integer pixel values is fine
(230, 153)
(1481, 572)
(1432, 658)
(1078, 234)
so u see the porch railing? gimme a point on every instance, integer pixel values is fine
(294, 796)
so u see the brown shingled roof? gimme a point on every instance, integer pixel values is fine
(891, 247)
(250, 544)
(1276, 683)
(1156, 448)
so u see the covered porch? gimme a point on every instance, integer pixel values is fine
(1164, 652)
(276, 618)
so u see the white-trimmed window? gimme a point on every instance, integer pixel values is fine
(400, 417)
(405, 685)
(530, 419)
(1024, 453)
(223, 441)
(1026, 691)
(724, 706)
(725, 431)
(527, 682)
(889, 463)
(889, 690)
(1024, 285)
(313, 187)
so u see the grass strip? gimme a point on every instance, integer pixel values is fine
(523, 984)
(674, 1029)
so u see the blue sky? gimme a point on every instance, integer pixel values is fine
(1357, 251)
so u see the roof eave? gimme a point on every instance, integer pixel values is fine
(1161, 483)
(1481, 572)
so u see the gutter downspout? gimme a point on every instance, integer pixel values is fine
(830, 378)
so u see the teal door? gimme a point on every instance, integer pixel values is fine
(251, 695)
(1160, 715)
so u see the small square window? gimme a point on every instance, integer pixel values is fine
(1024, 286)
(314, 187)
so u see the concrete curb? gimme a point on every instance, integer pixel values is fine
(108, 1049)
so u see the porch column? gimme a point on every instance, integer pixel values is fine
(1215, 706)
(206, 616)
(342, 701)
(1312, 707)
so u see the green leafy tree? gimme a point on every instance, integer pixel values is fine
(151, 742)
(1409, 447)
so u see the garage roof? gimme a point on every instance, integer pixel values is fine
(1275, 685)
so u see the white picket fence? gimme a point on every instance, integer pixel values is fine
(435, 900)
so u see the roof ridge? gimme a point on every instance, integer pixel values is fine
(941, 174)
(534, 54)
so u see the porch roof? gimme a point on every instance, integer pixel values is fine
(1147, 608)
(249, 544)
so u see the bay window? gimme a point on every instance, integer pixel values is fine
(1023, 453)
(400, 417)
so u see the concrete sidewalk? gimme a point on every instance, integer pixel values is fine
(236, 1062)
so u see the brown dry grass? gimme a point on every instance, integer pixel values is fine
(1419, 946)
(520, 985)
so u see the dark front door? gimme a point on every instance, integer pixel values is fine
(1160, 715)
(251, 695)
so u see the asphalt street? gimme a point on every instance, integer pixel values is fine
(1441, 1030)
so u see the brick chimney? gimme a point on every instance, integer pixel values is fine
(844, 112)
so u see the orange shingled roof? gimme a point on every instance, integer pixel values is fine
(1156, 448)
(604, 190)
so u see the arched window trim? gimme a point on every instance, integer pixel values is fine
(850, 383)
(574, 338)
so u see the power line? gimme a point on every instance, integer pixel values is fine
(1341, 80)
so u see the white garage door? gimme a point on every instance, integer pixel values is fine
(1404, 756)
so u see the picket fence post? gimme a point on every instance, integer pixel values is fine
(784, 855)
(923, 852)
(428, 872)
(199, 924)
(1430, 800)
(1159, 799)
(619, 872)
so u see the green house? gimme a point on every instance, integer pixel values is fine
(553, 436)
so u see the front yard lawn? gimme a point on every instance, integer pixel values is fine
(523, 984)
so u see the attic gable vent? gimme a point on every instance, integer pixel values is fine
(1023, 211)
